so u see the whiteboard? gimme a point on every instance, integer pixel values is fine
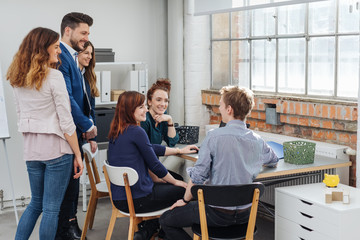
(4, 128)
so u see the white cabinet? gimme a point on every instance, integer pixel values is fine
(123, 76)
(302, 214)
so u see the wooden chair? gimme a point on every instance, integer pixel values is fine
(98, 188)
(226, 196)
(127, 177)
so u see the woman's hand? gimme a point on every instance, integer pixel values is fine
(156, 178)
(78, 166)
(162, 118)
(189, 149)
(179, 203)
(180, 183)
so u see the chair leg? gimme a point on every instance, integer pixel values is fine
(87, 218)
(111, 224)
(132, 226)
(93, 210)
(196, 237)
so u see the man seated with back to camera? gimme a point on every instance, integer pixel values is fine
(229, 155)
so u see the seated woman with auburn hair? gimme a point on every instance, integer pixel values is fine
(129, 146)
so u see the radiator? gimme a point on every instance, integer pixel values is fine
(324, 149)
(290, 180)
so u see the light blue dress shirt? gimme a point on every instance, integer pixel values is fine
(231, 155)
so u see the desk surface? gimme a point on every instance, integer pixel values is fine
(283, 168)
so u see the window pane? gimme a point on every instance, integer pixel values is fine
(263, 65)
(263, 22)
(321, 66)
(220, 25)
(322, 17)
(291, 73)
(348, 16)
(291, 19)
(240, 24)
(240, 63)
(348, 66)
(220, 64)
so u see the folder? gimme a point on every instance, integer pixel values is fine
(278, 148)
(98, 80)
(105, 86)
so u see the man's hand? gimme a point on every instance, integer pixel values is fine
(93, 146)
(91, 134)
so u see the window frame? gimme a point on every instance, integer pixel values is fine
(306, 35)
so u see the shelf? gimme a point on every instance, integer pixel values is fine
(117, 63)
(106, 103)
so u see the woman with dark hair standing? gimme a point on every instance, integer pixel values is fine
(129, 146)
(44, 119)
(86, 60)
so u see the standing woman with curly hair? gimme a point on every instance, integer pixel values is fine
(44, 119)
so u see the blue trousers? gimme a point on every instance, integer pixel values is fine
(48, 183)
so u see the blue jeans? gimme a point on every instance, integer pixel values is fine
(48, 183)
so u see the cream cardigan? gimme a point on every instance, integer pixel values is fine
(47, 110)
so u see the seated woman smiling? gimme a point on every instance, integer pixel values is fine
(129, 146)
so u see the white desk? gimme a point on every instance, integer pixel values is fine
(283, 168)
(301, 213)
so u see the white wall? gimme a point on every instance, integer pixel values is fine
(135, 29)
(196, 66)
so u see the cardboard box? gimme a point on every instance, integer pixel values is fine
(115, 94)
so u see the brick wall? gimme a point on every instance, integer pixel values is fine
(321, 120)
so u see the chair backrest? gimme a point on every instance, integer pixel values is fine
(87, 150)
(116, 174)
(91, 166)
(228, 195)
(121, 176)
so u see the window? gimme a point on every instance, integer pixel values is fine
(306, 49)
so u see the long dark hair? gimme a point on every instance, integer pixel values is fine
(89, 74)
(124, 112)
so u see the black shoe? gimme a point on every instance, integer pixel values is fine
(147, 229)
(161, 234)
(142, 234)
(73, 232)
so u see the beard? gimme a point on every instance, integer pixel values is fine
(75, 45)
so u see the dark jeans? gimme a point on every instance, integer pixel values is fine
(69, 205)
(163, 195)
(173, 221)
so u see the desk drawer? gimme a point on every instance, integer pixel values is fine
(289, 230)
(307, 214)
(289, 206)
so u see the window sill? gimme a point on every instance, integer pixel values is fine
(299, 98)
